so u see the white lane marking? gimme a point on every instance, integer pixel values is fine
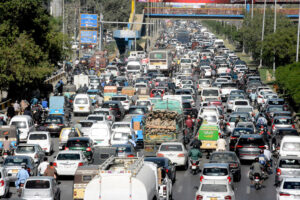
(248, 189)
(179, 189)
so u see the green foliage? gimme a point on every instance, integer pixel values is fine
(31, 42)
(287, 77)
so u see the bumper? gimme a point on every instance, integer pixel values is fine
(178, 161)
(66, 172)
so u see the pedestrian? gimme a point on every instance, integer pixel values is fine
(43, 166)
(50, 171)
(17, 107)
(10, 111)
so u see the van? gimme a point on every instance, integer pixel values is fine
(100, 133)
(134, 67)
(82, 104)
(210, 92)
(24, 124)
(290, 146)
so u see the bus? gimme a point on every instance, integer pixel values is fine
(160, 60)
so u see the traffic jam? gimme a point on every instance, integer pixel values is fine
(137, 126)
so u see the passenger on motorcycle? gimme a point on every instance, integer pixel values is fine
(189, 124)
(253, 96)
(261, 121)
(262, 158)
(221, 143)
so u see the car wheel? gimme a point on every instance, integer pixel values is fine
(186, 166)
(174, 178)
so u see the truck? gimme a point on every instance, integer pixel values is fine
(99, 61)
(56, 105)
(81, 80)
(165, 123)
(124, 178)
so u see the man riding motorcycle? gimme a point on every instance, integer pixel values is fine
(22, 176)
(261, 121)
(195, 155)
(189, 124)
(256, 169)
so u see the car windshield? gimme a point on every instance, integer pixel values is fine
(233, 119)
(86, 124)
(120, 136)
(289, 163)
(19, 124)
(289, 185)
(159, 162)
(210, 118)
(236, 92)
(244, 109)
(204, 82)
(275, 108)
(110, 105)
(215, 171)
(210, 93)
(15, 161)
(275, 102)
(283, 121)
(68, 156)
(37, 184)
(139, 111)
(133, 67)
(69, 133)
(38, 136)
(186, 105)
(233, 97)
(238, 132)
(291, 146)
(241, 103)
(77, 143)
(25, 149)
(171, 147)
(223, 157)
(213, 188)
(81, 101)
(250, 141)
(118, 98)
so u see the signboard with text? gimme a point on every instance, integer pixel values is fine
(88, 37)
(88, 20)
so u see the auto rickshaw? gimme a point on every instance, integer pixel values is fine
(83, 175)
(12, 133)
(208, 135)
(67, 133)
(69, 90)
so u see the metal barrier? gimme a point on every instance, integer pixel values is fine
(55, 78)
(5, 104)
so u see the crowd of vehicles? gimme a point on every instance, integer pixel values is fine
(125, 131)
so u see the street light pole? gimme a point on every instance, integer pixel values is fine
(262, 34)
(251, 9)
(297, 54)
(275, 24)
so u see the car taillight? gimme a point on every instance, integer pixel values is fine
(66, 148)
(293, 126)
(201, 178)
(164, 189)
(75, 193)
(227, 124)
(273, 127)
(160, 155)
(229, 179)
(108, 117)
(54, 164)
(180, 155)
(239, 146)
(126, 101)
(233, 165)
(228, 197)
(1, 183)
(232, 137)
(80, 164)
(130, 156)
(89, 149)
(259, 96)
(167, 170)
(278, 172)
(60, 124)
(284, 194)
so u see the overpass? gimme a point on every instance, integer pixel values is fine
(226, 12)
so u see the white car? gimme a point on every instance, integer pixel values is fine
(67, 162)
(4, 183)
(260, 95)
(100, 133)
(120, 135)
(123, 124)
(215, 189)
(32, 150)
(42, 138)
(124, 99)
(240, 103)
(175, 151)
(288, 189)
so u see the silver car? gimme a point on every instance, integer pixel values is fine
(41, 187)
(287, 166)
(32, 150)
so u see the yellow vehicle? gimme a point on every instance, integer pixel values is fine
(208, 135)
(67, 133)
(83, 175)
(110, 91)
(129, 91)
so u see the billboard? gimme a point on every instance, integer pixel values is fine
(88, 37)
(88, 20)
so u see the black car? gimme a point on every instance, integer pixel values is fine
(230, 158)
(236, 133)
(117, 107)
(187, 108)
(84, 144)
(54, 124)
(166, 164)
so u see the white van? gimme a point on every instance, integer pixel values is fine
(134, 67)
(24, 124)
(82, 104)
(210, 92)
(100, 133)
(290, 146)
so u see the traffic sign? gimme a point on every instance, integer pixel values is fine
(88, 37)
(89, 20)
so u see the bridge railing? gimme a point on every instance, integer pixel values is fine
(55, 78)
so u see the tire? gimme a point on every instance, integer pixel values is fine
(257, 186)
(186, 166)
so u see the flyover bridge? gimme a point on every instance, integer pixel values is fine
(226, 12)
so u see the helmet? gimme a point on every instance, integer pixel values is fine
(256, 159)
(195, 146)
(23, 165)
(129, 137)
(261, 151)
(266, 147)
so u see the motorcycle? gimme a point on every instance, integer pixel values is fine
(194, 167)
(257, 181)
(6, 153)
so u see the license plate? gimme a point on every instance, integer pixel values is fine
(213, 198)
(81, 108)
(208, 144)
(15, 171)
(194, 167)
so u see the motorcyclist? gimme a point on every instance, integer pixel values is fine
(195, 153)
(253, 96)
(256, 168)
(22, 176)
(221, 144)
(196, 142)
(237, 120)
(262, 158)
(189, 124)
(261, 121)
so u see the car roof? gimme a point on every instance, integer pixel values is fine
(21, 117)
(79, 138)
(20, 145)
(170, 143)
(38, 132)
(285, 117)
(291, 179)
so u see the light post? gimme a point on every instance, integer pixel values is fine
(262, 34)
(275, 24)
(297, 52)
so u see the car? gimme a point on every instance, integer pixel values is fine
(4, 183)
(124, 150)
(166, 164)
(230, 158)
(230, 124)
(97, 118)
(67, 133)
(86, 126)
(282, 122)
(43, 139)
(54, 124)
(120, 135)
(216, 171)
(175, 151)
(144, 103)
(240, 103)
(110, 116)
(117, 107)
(236, 133)
(270, 110)
(32, 150)
(231, 99)
(137, 110)
(248, 109)
(122, 124)
(290, 146)
(215, 189)
(66, 162)
(41, 187)
(12, 165)
(203, 83)
(187, 107)
(83, 144)
(100, 133)
(124, 99)
(287, 167)
(288, 189)
(246, 125)
(248, 146)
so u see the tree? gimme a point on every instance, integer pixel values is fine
(31, 44)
